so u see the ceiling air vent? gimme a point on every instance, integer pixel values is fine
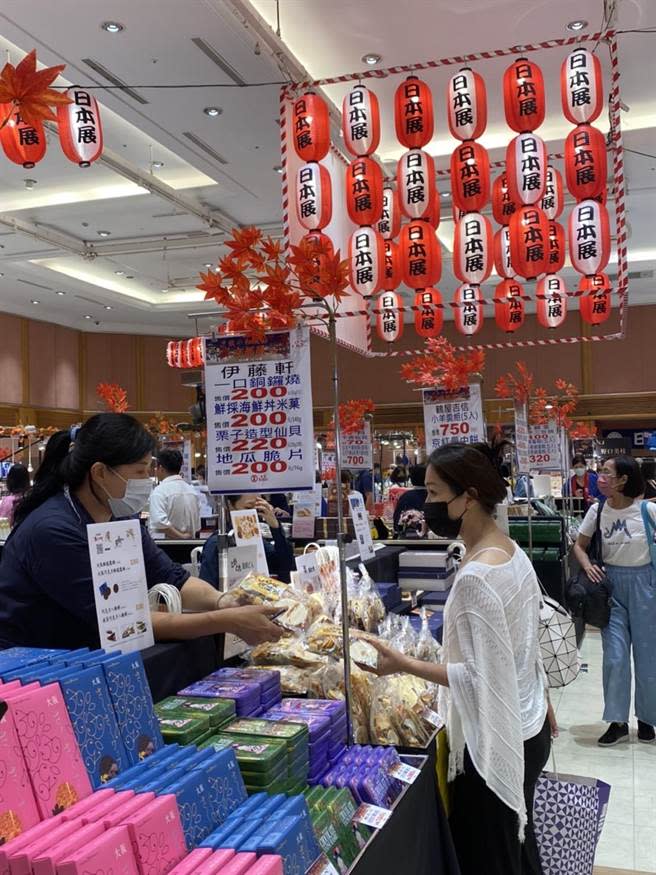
(35, 285)
(634, 275)
(205, 147)
(114, 79)
(218, 59)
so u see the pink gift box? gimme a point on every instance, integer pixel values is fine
(110, 852)
(20, 862)
(57, 772)
(157, 837)
(238, 865)
(216, 863)
(191, 861)
(132, 806)
(107, 807)
(46, 863)
(84, 806)
(18, 808)
(267, 864)
(44, 827)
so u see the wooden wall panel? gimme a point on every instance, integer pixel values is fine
(11, 368)
(110, 358)
(162, 389)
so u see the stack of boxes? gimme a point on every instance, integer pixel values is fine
(332, 810)
(252, 692)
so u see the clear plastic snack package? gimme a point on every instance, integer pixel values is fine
(299, 610)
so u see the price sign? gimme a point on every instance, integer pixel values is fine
(356, 449)
(259, 413)
(405, 773)
(544, 447)
(372, 815)
(309, 574)
(521, 438)
(322, 866)
(361, 525)
(328, 466)
(246, 525)
(432, 717)
(303, 519)
(453, 417)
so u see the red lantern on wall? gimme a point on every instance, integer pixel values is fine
(390, 222)
(529, 242)
(324, 250)
(503, 206)
(468, 305)
(361, 121)
(473, 249)
(466, 102)
(421, 256)
(429, 315)
(509, 305)
(366, 261)
(556, 247)
(389, 318)
(314, 196)
(413, 113)
(393, 275)
(551, 295)
(22, 143)
(526, 168)
(310, 127)
(595, 299)
(502, 262)
(415, 180)
(552, 200)
(470, 177)
(585, 162)
(523, 95)
(364, 191)
(80, 128)
(581, 87)
(589, 237)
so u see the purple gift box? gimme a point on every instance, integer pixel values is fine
(319, 725)
(247, 697)
(267, 680)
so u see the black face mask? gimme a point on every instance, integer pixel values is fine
(436, 514)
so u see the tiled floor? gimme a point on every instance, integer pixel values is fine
(629, 838)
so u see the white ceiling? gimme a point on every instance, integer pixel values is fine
(161, 238)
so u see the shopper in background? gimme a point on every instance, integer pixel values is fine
(413, 499)
(648, 471)
(347, 490)
(174, 504)
(632, 579)
(493, 686)
(279, 554)
(95, 474)
(583, 483)
(18, 482)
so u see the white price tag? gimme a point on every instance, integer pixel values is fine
(433, 718)
(372, 815)
(405, 773)
(322, 866)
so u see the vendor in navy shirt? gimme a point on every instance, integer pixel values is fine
(413, 499)
(99, 473)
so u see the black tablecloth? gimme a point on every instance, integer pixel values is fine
(416, 839)
(171, 667)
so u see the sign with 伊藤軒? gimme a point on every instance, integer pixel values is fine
(356, 449)
(259, 413)
(453, 417)
(544, 447)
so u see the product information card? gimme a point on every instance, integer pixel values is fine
(361, 525)
(453, 417)
(246, 525)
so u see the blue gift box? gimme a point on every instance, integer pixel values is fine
(224, 783)
(94, 723)
(133, 706)
(195, 813)
(165, 754)
(291, 839)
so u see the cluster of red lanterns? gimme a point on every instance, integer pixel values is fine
(78, 124)
(185, 353)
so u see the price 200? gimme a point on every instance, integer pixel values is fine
(243, 420)
(454, 428)
(245, 468)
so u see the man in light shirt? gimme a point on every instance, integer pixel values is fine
(174, 504)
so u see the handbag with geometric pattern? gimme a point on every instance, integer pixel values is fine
(557, 639)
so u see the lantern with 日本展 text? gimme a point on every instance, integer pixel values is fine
(421, 256)
(415, 176)
(80, 128)
(529, 242)
(595, 299)
(523, 96)
(468, 309)
(314, 200)
(389, 224)
(310, 127)
(321, 249)
(509, 305)
(589, 237)
(364, 191)
(586, 166)
(389, 316)
(393, 274)
(557, 249)
(361, 121)
(466, 101)
(526, 168)
(470, 177)
(22, 143)
(473, 249)
(429, 315)
(503, 206)
(502, 262)
(552, 200)
(413, 113)
(581, 87)
(366, 261)
(551, 298)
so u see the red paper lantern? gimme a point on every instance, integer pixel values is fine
(393, 273)
(466, 101)
(429, 315)
(526, 168)
(585, 162)
(468, 304)
(581, 87)
(589, 237)
(432, 216)
(595, 299)
(552, 200)
(172, 353)
(194, 352)
(470, 177)
(80, 128)
(551, 294)
(529, 242)
(556, 247)
(413, 113)
(324, 249)
(503, 206)
(421, 256)
(415, 179)
(364, 191)
(523, 95)
(502, 262)
(509, 305)
(314, 196)
(389, 318)
(310, 127)
(22, 143)
(366, 261)
(473, 249)
(390, 222)
(361, 121)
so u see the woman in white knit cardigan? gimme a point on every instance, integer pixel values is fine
(492, 684)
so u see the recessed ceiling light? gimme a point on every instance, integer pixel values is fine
(30, 183)
(119, 272)
(577, 24)
(104, 233)
(88, 317)
(208, 264)
(60, 293)
(112, 26)
(107, 307)
(548, 406)
(446, 194)
(212, 111)
(35, 302)
(164, 291)
(278, 168)
(158, 164)
(371, 59)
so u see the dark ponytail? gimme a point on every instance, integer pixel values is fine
(472, 468)
(113, 438)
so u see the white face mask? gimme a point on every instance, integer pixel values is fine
(137, 494)
(580, 472)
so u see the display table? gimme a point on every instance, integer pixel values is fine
(173, 666)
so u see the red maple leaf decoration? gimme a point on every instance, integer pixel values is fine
(441, 365)
(114, 396)
(352, 414)
(583, 431)
(518, 386)
(28, 90)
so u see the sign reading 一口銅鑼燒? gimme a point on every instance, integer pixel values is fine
(259, 413)
(453, 417)
(357, 452)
